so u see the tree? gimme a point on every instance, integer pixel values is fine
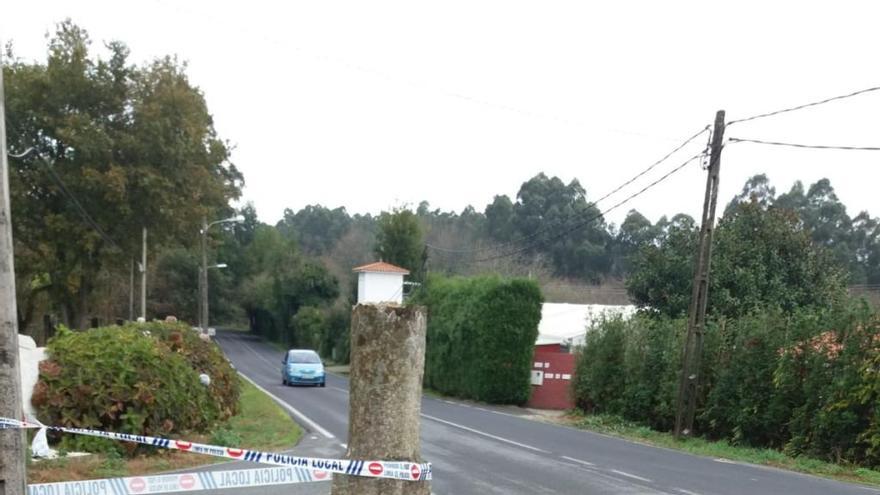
(762, 257)
(558, 221)
(866, 243)
(135, 147)
(399, 240)
(499, 219)
(315, 228)
(635, 231)
(281, 282)
(661, 273)
(756, 189)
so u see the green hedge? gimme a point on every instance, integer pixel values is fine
(807, 383)
(140, 379)
(481, 337)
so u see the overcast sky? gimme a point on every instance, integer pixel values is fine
(372, 105)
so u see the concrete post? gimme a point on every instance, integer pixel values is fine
(385, 400)
(12, 444)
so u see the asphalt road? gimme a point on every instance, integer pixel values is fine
(485, 450)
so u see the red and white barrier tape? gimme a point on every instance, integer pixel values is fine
(184, 482)
(397, 470)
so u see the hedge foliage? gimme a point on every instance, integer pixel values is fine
(806, 382)
(481, 337)
(140, 379)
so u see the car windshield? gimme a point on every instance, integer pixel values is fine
(303, 357)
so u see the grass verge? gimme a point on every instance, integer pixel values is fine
(616, 426)
(262, 424)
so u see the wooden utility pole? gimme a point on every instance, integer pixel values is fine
(12, 444)
(144, 277)
(688, 384)
(131, 293)
(203, 279)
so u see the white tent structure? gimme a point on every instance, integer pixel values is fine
(568, 324)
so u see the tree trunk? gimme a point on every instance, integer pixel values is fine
(387, 365)
(82, 308)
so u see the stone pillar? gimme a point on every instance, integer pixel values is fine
(385, 400)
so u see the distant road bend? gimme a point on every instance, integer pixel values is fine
(479, 450)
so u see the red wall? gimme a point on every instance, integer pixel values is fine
(558, 372)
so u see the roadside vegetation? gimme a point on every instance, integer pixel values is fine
(260, 424)
(481, 336)
(720, 449)
(144, 379)
(789, 361)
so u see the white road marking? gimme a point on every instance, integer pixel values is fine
(628, 475)
(344, 445)
(724, 461)
(340, 389)
(278, 366)
(686, 492)
(572, 459)
(302, 417)
(487, 435)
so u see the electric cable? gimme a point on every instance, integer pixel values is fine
(809, 146)
(806, 105)
(591, 204)
(587, 221)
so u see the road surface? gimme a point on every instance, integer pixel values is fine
(485, 450)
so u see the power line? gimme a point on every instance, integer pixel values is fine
(422, 86)
(587, 221)
(810, 146)
(806, 105)
(591, 204)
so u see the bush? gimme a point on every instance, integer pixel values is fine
(307, 327)
(481, 337)
(807, 382)
(628, 367)
(139, 379)
(336, 343)
(204, 357)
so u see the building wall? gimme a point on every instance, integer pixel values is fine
(552, 375)
(362, 287)
(380, 288)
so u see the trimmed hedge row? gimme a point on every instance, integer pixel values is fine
(139, 379)
(807, 383)
(481, 337)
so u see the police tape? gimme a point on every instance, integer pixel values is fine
(396, 470)
(184, 482)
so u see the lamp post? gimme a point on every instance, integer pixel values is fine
(203, 273)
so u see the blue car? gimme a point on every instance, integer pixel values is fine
(302, 367)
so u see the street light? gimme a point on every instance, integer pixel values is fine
(203, 275)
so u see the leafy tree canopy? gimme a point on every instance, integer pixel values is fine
(399, 240)
(762, 256)
(135, 146)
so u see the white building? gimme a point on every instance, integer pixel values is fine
(380, 282)
(568, 323)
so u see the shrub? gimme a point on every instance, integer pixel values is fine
(803, 381)
(307, 328)
(204, 357)
(628, 367)
(140, 379)
(335, 343)
(481, 337)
